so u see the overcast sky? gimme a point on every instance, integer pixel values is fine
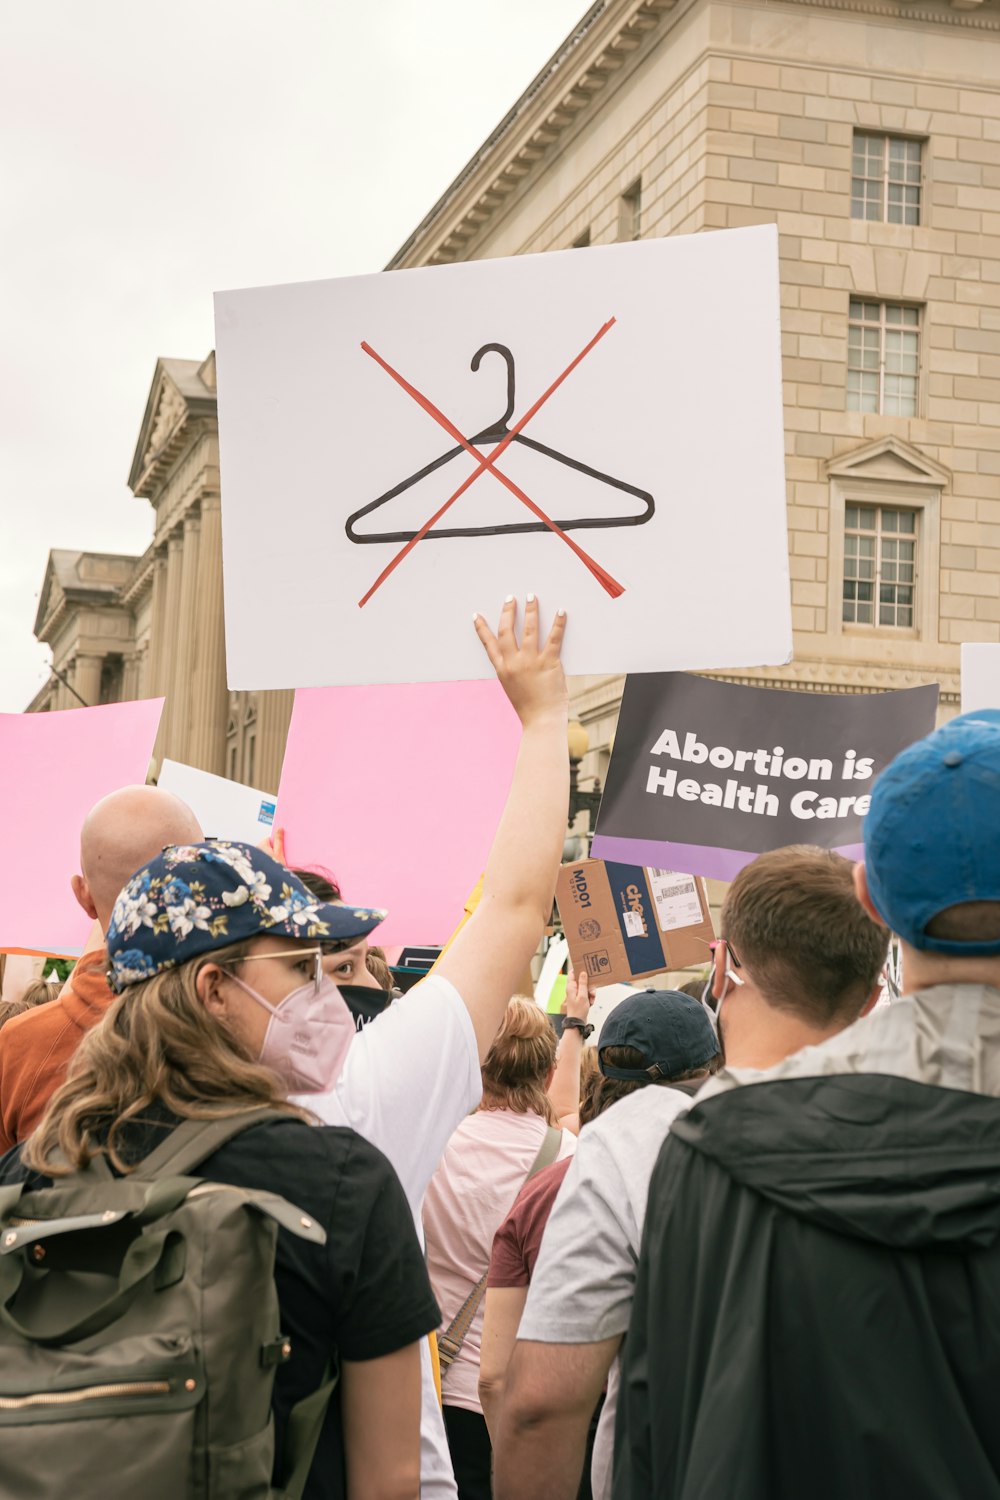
(152, 154)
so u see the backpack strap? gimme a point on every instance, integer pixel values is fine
(194, 1141)
(450, 1342)
(302, 1433)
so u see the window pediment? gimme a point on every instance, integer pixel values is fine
(889, 461)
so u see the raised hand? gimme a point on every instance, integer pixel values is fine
(530, 674)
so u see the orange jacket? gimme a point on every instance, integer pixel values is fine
(35, 1047)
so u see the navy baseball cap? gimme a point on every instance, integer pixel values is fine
(669, 1028)
(932, 833)
(196, 897)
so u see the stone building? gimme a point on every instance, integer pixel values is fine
(127, 627)
(869, 132)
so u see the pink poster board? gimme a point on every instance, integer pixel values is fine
(397, 791)
(53, 768)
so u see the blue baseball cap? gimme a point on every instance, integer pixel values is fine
(932, 833)
(669, 1028)
(196, 897)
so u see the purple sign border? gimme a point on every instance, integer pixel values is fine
(688, 859)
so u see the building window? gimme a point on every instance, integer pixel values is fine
(879, 565)
(249, 756)
(883, 352)
(885, 178)
(582, 240)
(111, 680)
(630, 212)
(231, 767)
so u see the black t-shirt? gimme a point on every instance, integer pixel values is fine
(363, 1294)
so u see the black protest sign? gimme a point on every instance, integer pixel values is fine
(705, 775)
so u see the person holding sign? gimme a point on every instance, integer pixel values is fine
(841, 1211)
(413, 1074)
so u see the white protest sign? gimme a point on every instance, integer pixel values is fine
(551, 967)
(980, 676)
(225, 809)
(602, 429)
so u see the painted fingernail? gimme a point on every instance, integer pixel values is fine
(530, 599)
(475, 618)
(560, 611)
(509, 599)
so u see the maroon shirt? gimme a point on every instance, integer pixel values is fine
(519, 1238)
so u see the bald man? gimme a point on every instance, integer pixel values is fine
(119, 835)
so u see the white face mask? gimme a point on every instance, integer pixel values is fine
(308, 1036)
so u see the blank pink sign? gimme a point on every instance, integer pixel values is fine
(53, 768)
(398, 790)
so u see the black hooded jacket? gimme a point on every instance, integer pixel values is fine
(817, 1309)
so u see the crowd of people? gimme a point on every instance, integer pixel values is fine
(743, 1248)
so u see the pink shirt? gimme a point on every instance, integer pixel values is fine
(471, 1193)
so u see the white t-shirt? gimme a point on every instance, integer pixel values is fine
(471, 1193)
(584, 1278)
(411, 1076)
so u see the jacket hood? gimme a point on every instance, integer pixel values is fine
(904, 1164)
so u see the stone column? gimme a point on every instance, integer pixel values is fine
(209, 693)
(87, 679)
(185, 640)
(274, 710)
(132, 676)
(154, 685)
(166, 743)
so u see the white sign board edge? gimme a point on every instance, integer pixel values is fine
(681, 399)
(225, 809)
(980, 676)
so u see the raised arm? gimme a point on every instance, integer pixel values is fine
(564, 1090)
(491, 952)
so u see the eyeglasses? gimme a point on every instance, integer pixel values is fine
(300, 953)
(731, 962)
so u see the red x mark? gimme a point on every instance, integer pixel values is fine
(487, 461)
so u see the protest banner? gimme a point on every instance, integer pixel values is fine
(397, 790)
(54, 767)
(980, 676)
(225, 809)
(625, 922)
(706, 775)
(401, 451)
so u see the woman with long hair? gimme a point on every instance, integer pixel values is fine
(224, 1009)
(488, 1159)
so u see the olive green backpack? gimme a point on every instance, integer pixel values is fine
(139, 1333)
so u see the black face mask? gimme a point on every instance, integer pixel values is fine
(364, 1002)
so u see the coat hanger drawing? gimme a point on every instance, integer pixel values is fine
(488, 437)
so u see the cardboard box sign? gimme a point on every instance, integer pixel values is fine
(625, 922)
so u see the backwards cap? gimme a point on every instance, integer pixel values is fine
(932, 833)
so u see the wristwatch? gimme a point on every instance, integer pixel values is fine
(573, 1023)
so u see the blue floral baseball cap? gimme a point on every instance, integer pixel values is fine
(196, 897)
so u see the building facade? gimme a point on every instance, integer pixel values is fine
(868, 131)
(151, 626)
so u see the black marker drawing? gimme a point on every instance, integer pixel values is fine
(489, 437)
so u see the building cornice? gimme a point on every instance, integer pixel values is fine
(607, 38)
(610, 36)
(975, 15)
(167, 424)
(141, 580)
(804, 675)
